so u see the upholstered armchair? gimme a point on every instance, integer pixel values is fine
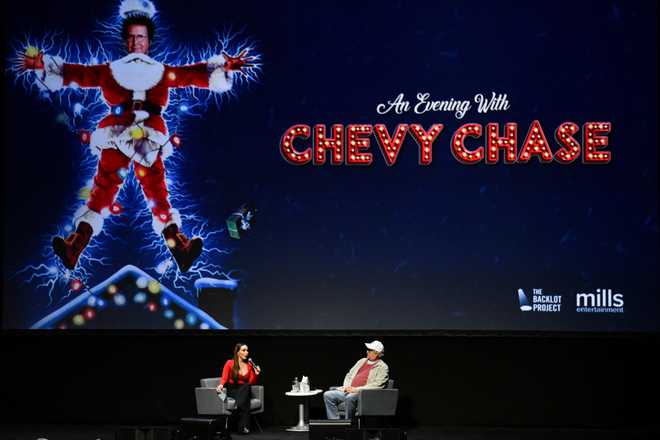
(375, 402)
(209, 402)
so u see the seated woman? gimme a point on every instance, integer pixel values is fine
(238, 375)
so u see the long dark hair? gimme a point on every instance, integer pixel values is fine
(235, 369)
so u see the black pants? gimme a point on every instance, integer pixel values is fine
(241, 394)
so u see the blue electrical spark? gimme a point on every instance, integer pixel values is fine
(80, 109)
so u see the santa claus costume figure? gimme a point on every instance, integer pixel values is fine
(136, 87)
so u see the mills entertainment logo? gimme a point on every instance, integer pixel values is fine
(540, 302)
(602, 301)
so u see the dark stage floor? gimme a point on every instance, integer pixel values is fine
(89, 432)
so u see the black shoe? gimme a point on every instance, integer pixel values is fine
(224, 435)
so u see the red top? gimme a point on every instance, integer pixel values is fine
(227, 376)
(362, 375)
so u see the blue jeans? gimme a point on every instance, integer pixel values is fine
(332, 400)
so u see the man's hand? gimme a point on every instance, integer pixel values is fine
(219, 388)
(237, 63)
(350, 390)
(33, 59)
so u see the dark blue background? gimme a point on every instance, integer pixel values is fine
(407, 247)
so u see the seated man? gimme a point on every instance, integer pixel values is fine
(369, 372)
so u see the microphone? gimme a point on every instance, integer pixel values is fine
(252, 363)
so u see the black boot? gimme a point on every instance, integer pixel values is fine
(184, 251)
(69, 250)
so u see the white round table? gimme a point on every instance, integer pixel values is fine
(302, 409)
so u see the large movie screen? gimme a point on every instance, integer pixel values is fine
(344, 165)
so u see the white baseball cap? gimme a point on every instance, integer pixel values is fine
(375, 346)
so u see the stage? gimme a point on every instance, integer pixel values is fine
(107, 432)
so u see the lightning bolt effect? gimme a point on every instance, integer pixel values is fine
(79, 109)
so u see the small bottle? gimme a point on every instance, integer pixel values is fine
(296, 386)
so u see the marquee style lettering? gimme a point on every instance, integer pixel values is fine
(462, 154)
(351, 147)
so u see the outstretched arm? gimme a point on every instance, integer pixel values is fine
(216, 74)
(54, 74)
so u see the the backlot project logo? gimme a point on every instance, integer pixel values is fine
(540, 302)
(600, 301)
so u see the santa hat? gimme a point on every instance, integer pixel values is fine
(137, 8)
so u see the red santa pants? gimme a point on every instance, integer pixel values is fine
(108, 180)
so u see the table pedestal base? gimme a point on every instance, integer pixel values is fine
(301, 426)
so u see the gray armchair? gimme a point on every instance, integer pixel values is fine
(209, 402)
(375, 402)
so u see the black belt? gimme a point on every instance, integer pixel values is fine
(146, 106)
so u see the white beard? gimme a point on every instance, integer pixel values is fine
(137, 72)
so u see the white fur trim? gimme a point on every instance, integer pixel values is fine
(94, 219)
(51, 77)
(219, 81)
(145, 151)
(159, 225)
(216, 61)
(137, 72)
(140, 115)
(129, 8)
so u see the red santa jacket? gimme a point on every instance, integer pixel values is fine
(119, 82)
(136, 87)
